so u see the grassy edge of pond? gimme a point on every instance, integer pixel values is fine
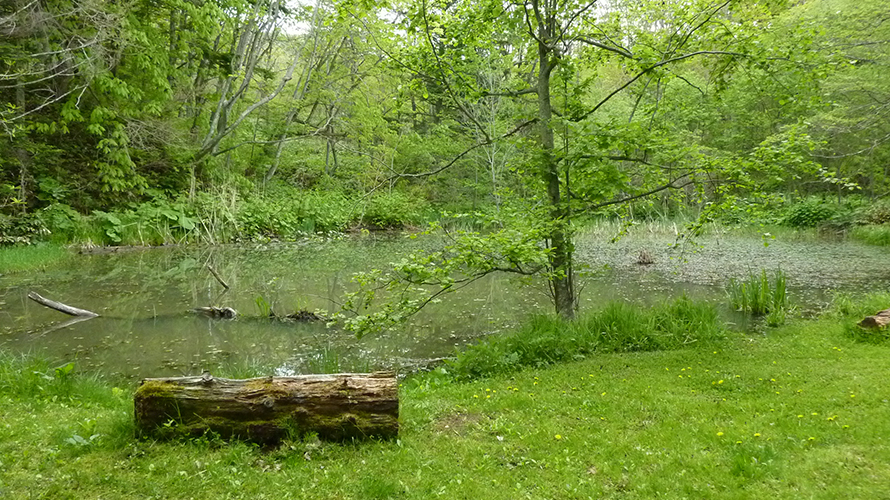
(799, 412)
(20, 258)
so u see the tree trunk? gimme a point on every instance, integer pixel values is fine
(561, 282)
(266, 410)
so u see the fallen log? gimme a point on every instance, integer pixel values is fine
(58, 306)
(879, 320)
(266, 410)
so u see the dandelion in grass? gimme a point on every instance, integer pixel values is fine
(719, 434)
(757, 434)
(557, 437)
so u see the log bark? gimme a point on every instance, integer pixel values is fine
(880, 320)
(58, 306)
(266, 410)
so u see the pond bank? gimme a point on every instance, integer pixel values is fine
(143, 297)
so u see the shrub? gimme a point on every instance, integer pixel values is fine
(21, 229)
(809, 213)
(393, 210)
(874, 213)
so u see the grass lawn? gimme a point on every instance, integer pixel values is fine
(802, 412)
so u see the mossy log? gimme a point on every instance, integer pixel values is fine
(266, 410)
(880, 320)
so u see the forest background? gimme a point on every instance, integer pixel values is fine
(150, 122)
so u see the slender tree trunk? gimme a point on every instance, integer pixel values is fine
(561, 282)
(21, 153)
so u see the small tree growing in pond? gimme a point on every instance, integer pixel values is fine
(578, 149)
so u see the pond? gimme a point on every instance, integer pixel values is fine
(144, 298)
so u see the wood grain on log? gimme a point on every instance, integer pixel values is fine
(879, 320)
(266, 410)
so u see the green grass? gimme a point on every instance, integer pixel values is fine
(800, 413)
(30, 257)
(619, 327)
(878, 235)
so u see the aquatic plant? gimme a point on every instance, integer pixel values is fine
(760, 295)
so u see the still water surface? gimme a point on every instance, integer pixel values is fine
(144, 298)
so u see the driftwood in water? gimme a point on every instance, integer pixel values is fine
(266, 410)
(216, 312)
(304, 315)
(218, 277)
(879, 320)
(58, 306)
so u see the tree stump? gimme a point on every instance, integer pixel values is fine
(879, 320)
(266, 410)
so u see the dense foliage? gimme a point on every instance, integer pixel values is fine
(187, 120)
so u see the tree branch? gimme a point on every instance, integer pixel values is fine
(670, 185)
(617, 50)
(636, 77)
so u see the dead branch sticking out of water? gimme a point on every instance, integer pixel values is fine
(217, 276)
(58, 306)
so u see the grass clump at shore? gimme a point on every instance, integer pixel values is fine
(878, 235)
(30, 257)
(619, 327)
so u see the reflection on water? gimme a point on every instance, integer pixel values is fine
(144, 297)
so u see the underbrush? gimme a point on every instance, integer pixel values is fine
(221, 216)
(619, 327)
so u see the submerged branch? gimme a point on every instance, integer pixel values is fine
(58, 306)
(217, 276)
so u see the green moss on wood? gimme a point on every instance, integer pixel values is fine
(157, 388)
